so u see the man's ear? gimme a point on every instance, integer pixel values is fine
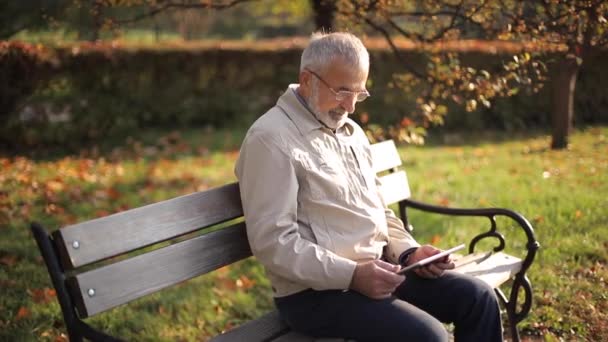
(305, 84)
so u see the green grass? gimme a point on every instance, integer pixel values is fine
(562, 193)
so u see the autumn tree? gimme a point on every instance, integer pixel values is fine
(575, 26)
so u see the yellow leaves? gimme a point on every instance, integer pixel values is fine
(479, 152)
(23, 178)
(55, 185)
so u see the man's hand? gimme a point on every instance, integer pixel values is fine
(376, 279)
(432, 270)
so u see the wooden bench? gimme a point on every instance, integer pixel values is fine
(72, 254)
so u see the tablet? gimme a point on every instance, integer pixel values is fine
(430, 259)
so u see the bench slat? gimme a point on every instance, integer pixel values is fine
(385, 156)
(493, 268)
(126, 280)
(265, 328)
(119, 233)
(395, 187)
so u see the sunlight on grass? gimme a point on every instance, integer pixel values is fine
(562, 193)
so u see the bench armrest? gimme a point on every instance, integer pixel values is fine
(521, 281)
(491, 213)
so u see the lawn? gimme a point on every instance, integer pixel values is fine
(562, 193)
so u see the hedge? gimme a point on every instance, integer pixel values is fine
(85, 91)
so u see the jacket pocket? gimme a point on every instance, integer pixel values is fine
(327, 181)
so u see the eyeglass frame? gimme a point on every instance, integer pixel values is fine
(342, 95)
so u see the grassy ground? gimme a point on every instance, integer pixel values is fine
(563, 193)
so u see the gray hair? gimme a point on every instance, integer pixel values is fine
(325, 47)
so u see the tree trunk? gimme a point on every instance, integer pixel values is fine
(564, 84)
(325, 11)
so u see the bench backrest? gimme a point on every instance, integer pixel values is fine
(82, 245)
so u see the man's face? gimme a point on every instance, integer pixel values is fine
(322, 100)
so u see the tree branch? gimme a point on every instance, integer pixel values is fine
(395, 49)
(166, 5)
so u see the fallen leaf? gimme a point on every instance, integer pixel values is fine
(22, 313)
(223, 271)
(8, 259)
(244, 282)
(226, 284)
(55, 185)
(113, 194)
(435, 239)
(101, 213)
(444, 201)
(53, 209)
(43, 296)
(61, 338)
(228, 326)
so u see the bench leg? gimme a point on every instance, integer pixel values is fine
(520, 282)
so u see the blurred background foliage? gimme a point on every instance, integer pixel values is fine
(73, 71)
(76, 93)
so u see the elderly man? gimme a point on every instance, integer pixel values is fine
(318, 224)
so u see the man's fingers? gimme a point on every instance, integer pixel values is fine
(425, 272)
(446, 265)
(435, 270)
(387, 266)
(386, 272)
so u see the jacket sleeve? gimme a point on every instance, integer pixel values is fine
(269, 189)
(399, 239)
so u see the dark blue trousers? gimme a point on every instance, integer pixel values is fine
(414, 313)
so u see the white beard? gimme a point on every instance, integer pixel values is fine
(334, 118)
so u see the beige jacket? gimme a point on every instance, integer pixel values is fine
(311, 200)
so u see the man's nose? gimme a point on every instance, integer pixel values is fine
(349, 104)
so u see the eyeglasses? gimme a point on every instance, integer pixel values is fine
(342, 95)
